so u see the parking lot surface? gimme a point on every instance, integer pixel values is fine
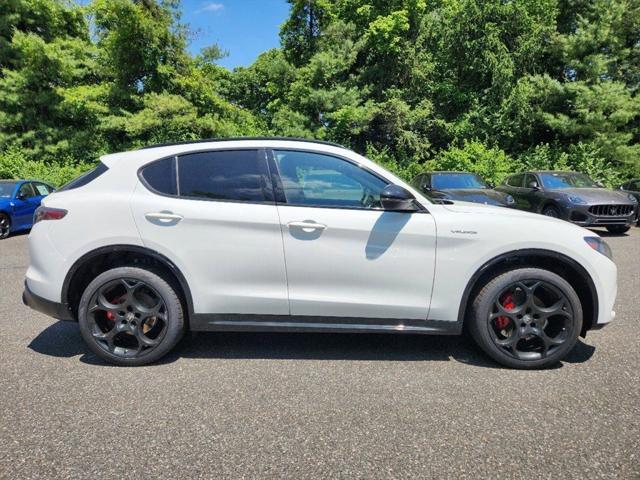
(315, 405)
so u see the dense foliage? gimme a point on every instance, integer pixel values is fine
(488, 86)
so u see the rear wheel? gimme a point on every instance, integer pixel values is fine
(5, 225)
(551, 211)
(619, 229)
(130, 316)
(526, 318)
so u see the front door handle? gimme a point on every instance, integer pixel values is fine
(307, 226)
(163, 217)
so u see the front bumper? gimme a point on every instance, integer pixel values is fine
(581, 215)
(60, 311)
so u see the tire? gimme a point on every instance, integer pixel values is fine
(551, 211)
(130, 316)
(5, 226)
(618, 229)
(526, 339)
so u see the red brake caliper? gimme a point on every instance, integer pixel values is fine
(109, 313)
(507, 302)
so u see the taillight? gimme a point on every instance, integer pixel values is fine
(48, 213)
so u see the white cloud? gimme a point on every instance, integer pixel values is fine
(212, 7)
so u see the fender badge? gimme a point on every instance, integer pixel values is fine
(465, 232)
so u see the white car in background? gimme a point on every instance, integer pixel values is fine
(291, 235)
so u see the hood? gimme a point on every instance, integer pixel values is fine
(596, 195)
(476, 195)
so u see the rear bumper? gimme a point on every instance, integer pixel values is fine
(60, 311)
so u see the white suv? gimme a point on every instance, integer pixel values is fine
(291, 235)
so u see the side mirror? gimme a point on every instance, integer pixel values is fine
(600, 184)
(396, 198)
(534, 185)
(20, 196)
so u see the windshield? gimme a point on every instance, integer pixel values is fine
(566, 180)
(6, 189)
(444, 181)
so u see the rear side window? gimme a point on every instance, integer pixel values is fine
(515, 180)
(161, 176)
(238, 175)
(85, 178)
(42, 189)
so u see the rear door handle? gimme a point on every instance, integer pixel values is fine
(164, 217)
(307, 226)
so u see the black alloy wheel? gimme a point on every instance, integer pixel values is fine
(530, 319)
(527, 318)
(551, 212)
(130, 316)
(5, 225)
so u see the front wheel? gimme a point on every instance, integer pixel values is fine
(551, 211)
(618, 229)
(526, 318)
(5, 225)
(130, 316)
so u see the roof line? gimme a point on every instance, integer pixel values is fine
(229, 139)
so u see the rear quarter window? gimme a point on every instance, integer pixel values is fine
(160, 176)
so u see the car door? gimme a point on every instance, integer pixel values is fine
(345, 256)
(530, 196)
(515, 188)
(25, 203)
(219, 224)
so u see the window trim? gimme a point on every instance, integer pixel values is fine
(261, 152)
(278, 189)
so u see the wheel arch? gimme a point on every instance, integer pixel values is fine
(92, 263)
(549, 203)
(555, 262)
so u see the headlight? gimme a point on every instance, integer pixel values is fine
(509, 199)
(632, 198)
(576, 200)
(599, 245)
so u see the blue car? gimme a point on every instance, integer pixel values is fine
(18, 201)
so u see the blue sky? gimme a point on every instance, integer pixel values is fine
(245, 28)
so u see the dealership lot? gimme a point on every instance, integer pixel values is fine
(315, 405)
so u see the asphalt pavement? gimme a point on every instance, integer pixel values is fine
(315, 405)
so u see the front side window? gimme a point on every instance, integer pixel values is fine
(234, 175)
(26, 191)
(326, 181)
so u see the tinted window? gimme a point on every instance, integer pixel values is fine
(26, 191)
(85, 178)
(443, 181)
(239, 175)
(161, 176)
(559, 180)
(635, 186)
(516, 180)
(322, 180)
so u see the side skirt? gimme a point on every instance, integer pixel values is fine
(301, 323)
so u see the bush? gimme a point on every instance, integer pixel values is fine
(491, 163)
(13, 164)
